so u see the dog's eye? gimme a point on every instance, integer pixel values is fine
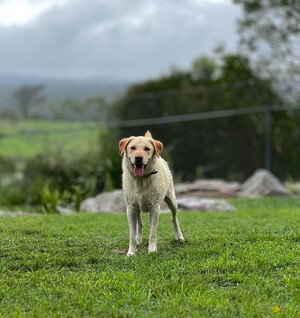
(147, 149)
(132, 148)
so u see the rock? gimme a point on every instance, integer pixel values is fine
(64, 211)
(205, 205)
(293, 187)
(185, 192)
(208, 188)
(17, 213)
(263, 183)
(198, 195)
(105, 202)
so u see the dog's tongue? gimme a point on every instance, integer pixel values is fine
(138, 171)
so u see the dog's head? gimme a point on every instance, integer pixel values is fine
(140, 152)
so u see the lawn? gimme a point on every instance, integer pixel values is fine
(26, 138)
(237, 264)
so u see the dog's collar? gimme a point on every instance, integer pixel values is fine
(153, 172)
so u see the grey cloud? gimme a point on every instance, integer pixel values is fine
(134, 39)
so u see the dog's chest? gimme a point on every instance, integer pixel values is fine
(143, 193)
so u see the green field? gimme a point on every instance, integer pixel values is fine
(237, 264)
(27, 138)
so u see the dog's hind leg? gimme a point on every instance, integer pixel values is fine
(139, 229)
(170, 199)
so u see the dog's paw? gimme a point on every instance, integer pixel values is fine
(130, 253)
(152, 249)
(180, 238)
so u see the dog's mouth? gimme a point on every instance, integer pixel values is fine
(138, 169)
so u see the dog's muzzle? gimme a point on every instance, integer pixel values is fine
(138, 166)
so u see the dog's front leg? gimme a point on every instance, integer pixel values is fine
(132, 216)
(139, 235)
(154, 216)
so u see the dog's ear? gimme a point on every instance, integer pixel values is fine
(122, 145)
(158, 147)
(148, 134)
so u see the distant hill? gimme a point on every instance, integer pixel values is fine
(59, 89)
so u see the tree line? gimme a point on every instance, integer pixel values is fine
(231, 147)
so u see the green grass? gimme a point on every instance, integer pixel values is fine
(237, 264)
(62, 136)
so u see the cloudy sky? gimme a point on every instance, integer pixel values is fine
(118, 39)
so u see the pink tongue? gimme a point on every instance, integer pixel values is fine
(138, 171)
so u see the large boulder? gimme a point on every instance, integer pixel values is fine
(204, 205)
(263, 183)
(112, 202)
(190, 196)
(215, 188)
(204, 195)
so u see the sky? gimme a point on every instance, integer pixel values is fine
(115, 39)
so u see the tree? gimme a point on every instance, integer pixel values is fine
(270, 33)
(204, 68)
(92, 108)
(27, 97)
(223, 147)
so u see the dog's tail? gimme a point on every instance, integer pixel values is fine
(148, 134)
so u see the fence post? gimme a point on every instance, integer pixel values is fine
(267, 136)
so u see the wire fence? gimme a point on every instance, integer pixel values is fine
(265, 110)
(163, 120)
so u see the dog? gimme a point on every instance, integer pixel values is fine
(147, 181)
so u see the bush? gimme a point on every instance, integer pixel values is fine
(7, 165)
(49, 200)
(13, 194)
(51, 179)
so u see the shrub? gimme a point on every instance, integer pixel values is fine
(49, 200)
(50, 179)
(7, 165)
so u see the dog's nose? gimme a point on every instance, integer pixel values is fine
(138, 159)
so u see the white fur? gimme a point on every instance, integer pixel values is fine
(146, 193)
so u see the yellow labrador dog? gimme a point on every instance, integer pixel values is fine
(147, 181)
